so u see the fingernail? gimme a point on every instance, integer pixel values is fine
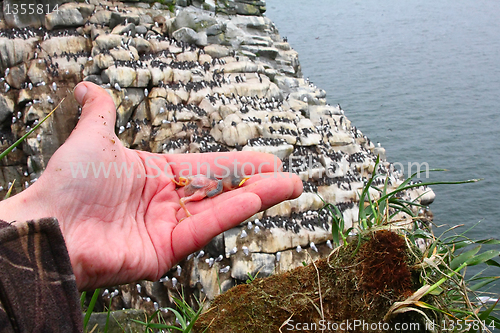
(80, 92)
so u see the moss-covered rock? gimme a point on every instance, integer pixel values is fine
(356, 282)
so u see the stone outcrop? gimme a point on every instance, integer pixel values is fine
(211, 76)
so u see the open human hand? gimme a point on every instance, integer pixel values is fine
(125, 226)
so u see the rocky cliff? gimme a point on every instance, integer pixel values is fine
(188, 77)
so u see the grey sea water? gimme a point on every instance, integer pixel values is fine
(420, 77)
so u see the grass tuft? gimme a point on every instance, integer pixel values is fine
(392, 272)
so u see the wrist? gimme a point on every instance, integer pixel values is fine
(24, 206)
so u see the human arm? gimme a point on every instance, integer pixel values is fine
(37, 287)
(120, 230)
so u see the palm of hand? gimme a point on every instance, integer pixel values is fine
(124, 229)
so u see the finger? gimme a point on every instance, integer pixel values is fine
(270, 189)
(274, 184)
(196, 231)
(97, 108)
(223, 164)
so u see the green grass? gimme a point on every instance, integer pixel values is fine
(185, 315)
(90, 308)
(454, 296)
(18, 142)
(383, 210)
(443, 263)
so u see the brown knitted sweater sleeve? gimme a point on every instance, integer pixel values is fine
(37, 287)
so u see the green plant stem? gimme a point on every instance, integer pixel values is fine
(444, 279)
(9, 192)
(18, 142)
(90, 308)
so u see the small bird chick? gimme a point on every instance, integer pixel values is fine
(199, 187)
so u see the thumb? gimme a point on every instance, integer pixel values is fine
(98, 108)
